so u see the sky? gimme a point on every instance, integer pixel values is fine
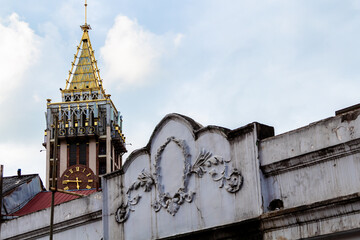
(228, 63)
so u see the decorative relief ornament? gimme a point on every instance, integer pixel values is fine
(144, 180)
(215, 166)
(172, 202)
(123, 212)
(205, 160)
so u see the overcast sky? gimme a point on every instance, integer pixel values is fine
(228, 63)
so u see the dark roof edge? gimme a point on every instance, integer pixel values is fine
(22, 175)
(263, 131)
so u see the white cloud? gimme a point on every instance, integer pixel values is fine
(178, 39)
(36, 98)
(18, 51)
(281, 68)
(131, 53)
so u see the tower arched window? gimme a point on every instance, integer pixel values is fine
(76, 97)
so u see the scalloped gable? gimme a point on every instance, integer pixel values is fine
(182, 178)
(194, 127)
(197, 130)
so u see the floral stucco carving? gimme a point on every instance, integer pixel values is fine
(123, 212)
(217, 167)
(231, 179)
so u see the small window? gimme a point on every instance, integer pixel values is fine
(76, 97)
(102, 148)
(102, 166)
(72, 154)
(85, 96)
(67, 98)
(82, 153)
(94, 95)
(52, 152)
(51, 168)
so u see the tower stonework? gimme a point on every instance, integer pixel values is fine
(90, 139)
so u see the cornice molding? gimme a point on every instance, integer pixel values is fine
(61, 226)
(319, 213)
(315, 157)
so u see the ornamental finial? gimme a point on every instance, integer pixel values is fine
(85, 27)
(85, 11)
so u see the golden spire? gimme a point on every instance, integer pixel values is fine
(86, 75)
(85, 26)
(85, 10)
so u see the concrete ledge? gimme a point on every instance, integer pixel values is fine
(330, 216)
(60, 227)
(308, 159)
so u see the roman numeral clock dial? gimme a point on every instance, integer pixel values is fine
(77, 177)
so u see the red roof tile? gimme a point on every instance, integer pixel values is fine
(43, 200)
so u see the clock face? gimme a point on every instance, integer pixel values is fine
(77, 177)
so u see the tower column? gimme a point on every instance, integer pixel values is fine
(108, 149)
(63, 156)
(92, 155)
(47, 143)
(48, 149)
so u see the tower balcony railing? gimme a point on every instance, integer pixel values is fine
(117, 135)
(79, 131)
(118, 139)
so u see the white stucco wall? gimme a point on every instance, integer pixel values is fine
(313, 163)
(79, 218)
(318, 164)
(210, 206)
(316, 136)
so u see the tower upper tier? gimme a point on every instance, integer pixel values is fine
(84, 75)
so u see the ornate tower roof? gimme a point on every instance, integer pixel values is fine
(86, 75)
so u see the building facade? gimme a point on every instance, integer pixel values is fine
(196, 182)
(89, 127)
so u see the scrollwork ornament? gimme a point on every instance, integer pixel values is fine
(234, 181)
(81, 130)
(205, 160)
(122, 213)
(91, 129)
(134, 201)
(172, 204)
(144, 180)
(62, 132)
(198, 166)
(218, 177)
(156, 206)
(216, 166)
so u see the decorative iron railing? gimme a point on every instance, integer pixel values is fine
(79, 131)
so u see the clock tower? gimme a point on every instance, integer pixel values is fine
(89, 134)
